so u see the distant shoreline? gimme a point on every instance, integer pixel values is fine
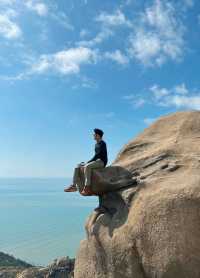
(12, 267)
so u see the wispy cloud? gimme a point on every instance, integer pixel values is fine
(117, 56)
(65, 62)
(109, 22)
(128, 2)
(84, 33)
(47, 10)
(181, 89)
(115, 19)
(135, 100)
(8, 28)
(158, 36)
(85, 82)
(159, 93)
(62, 19)
(98, 39)
(52, 11)
(188, 102)
(179, 96)
(37, 6)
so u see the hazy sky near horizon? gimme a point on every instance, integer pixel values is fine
(70, 66)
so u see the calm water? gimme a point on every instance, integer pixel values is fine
(38, 221)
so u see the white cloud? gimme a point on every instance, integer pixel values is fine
(135, 100)
(109, 23)
(139, 102)
(98, 39)
(8, 28)
(84, 33)
(144, 46)
(51, 10)
(39, 7)
(115, 19)
(10, 13)
(159, 93)
(62, 19)
(117, 56)
(88, 83)
(85, 82)
(158, 35)
(129, 97)
(162, 93)
(181, 89)
(178, 96)
(188, 102)
(65, 62)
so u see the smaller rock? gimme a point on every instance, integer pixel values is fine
(59, 268)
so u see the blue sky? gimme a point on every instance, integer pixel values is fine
(70, 66)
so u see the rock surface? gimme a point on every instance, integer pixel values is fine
(152, 229)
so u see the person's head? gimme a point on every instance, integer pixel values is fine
(98, 134)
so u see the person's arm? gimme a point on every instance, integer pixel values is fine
(92, 159)
(95, 156)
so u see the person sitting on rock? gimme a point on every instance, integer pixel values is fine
(99, 160)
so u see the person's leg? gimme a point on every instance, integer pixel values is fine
(76, 175)
(101, 208)
(79, 178)
(87, 172)
(73, 186)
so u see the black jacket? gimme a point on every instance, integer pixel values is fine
(100, 152)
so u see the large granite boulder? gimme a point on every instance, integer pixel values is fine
(152, 229)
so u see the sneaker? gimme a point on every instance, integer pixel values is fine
(87, 191)
(71, 188)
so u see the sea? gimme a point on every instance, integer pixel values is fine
(39, 222)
